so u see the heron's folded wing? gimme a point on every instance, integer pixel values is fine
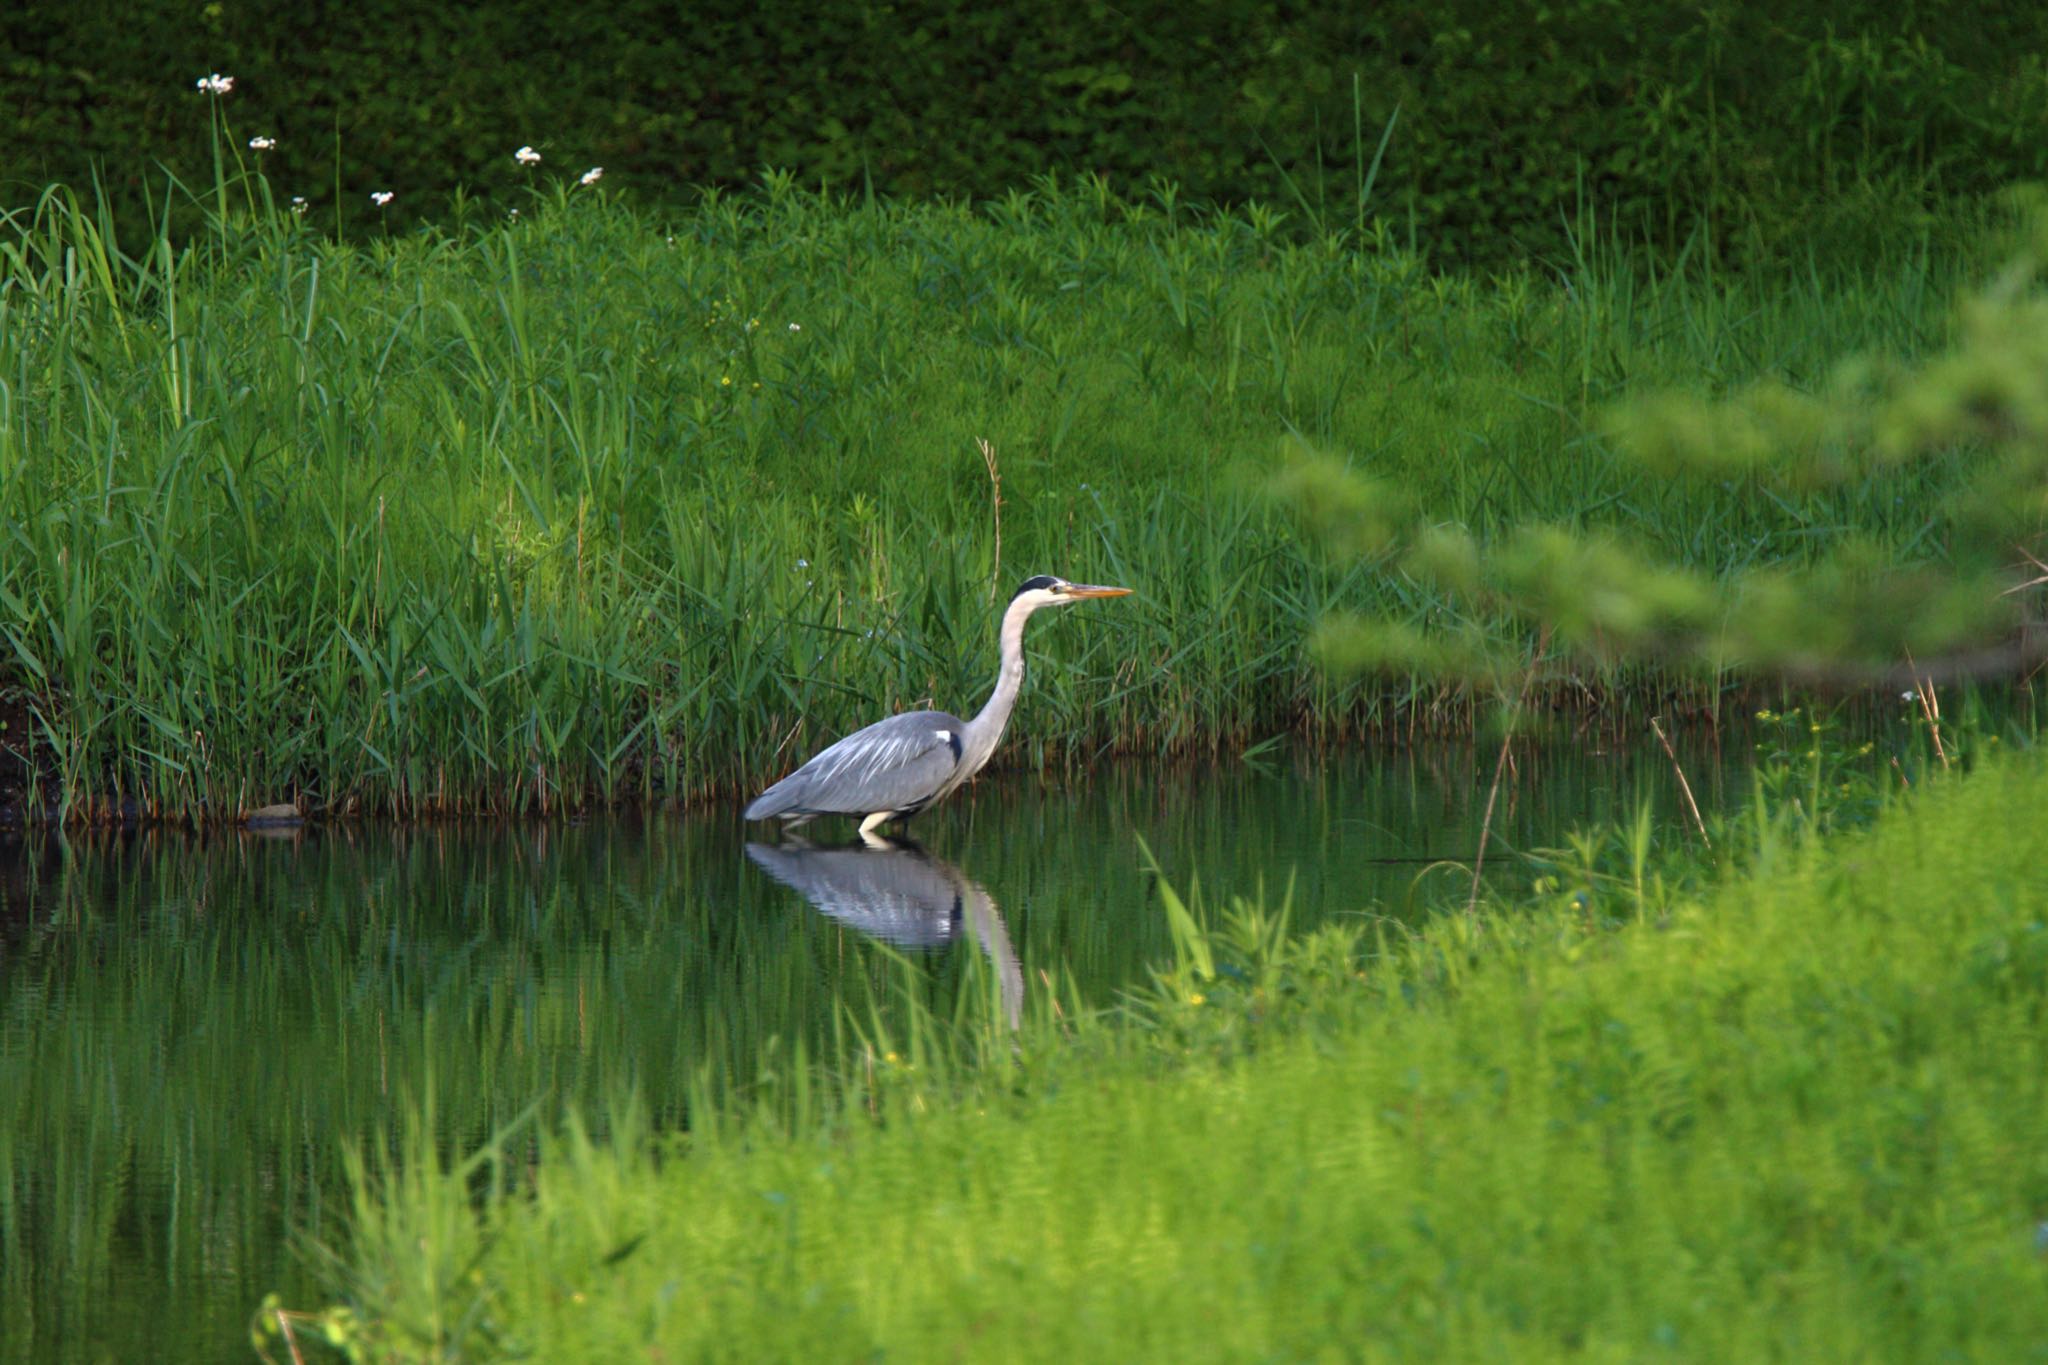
(896, 764)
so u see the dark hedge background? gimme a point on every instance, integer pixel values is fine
(1767, 120)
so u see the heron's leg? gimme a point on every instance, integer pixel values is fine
(871, 824)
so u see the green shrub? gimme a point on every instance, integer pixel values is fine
(1766, 123)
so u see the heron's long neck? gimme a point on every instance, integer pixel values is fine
(985, 729)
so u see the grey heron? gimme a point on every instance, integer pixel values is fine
(896, 767)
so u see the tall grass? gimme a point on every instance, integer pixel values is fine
(1794, 1116)
(589, 507)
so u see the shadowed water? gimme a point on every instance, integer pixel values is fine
(192, 1030)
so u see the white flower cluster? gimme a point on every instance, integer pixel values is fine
(526, 156)
(215, 84)
(262, 144)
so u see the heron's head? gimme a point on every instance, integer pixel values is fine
(1048, 591)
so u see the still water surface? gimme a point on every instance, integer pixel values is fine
(192, 1030)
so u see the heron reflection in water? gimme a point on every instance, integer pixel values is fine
(893, 890)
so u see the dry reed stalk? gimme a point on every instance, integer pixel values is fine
(995, 505)
(1500, 766)
(1930, 706)
(1684, 786)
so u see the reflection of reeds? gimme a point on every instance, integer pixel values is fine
(192, 1031)
(568, 511)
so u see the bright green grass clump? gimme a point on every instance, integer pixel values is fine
(1800, 1119)
(586, 506)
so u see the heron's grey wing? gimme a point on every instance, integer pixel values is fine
(896, 895)
(896, 764)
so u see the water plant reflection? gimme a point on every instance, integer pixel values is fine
(897, 891)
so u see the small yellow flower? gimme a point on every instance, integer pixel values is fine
(1195, 999)
(725, 381)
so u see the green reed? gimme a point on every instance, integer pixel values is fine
(588, 507)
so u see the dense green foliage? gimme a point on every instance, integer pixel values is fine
(573, 508)
(1768, 122)
(1794, 1116)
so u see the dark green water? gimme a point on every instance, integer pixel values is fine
(191, 1030)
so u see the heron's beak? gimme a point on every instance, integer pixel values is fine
(1090, 590)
